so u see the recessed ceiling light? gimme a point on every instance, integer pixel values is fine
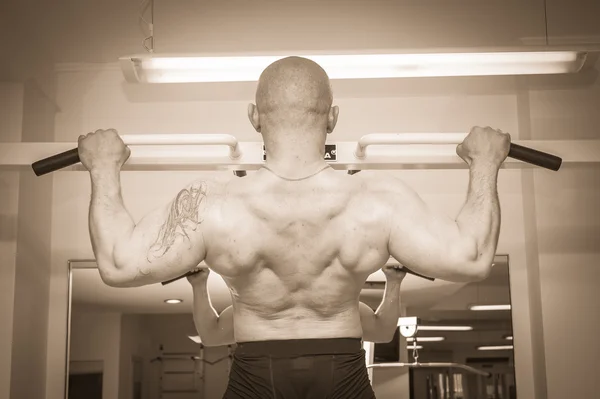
(173, 301)
(445, 328)
(426, 339)
(495, 348)
(489, 307)
(508, 337)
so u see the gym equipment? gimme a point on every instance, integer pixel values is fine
(517, 151)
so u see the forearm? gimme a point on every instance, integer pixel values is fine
(389, 310)
(380, 326)
(109, 221)
(206, 318)
(479, 219)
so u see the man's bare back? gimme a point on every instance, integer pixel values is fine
(296, 242)
(295, 254)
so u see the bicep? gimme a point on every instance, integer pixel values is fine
(167, 242)
(422, 239)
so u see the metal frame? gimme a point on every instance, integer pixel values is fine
(409, 326)
(223, 152)
(72, 264)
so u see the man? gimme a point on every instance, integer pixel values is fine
(296, 240)
(216, 329)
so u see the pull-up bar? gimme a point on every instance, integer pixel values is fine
(519, 152)
(71, 157)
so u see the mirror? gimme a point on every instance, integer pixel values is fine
(130, 343)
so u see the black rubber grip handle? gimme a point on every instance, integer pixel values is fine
(535, 157)
(407, 270)
(177, 278)
(56, 162)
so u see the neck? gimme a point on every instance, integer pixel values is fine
(295, 161)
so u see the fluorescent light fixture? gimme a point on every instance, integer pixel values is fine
(426, 339)
(409, 347)
(508, 337)
(173, 301)
(195, 338)
(445, 328)
(489, 307)
(188, 69)
(495, 348)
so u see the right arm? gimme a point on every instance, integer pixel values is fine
(213, 328)
(460, 249)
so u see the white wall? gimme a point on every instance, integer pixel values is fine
(133, 342)
(32, 276)
(11, 113)
(26, 114)
(96, 336)
(568, 228)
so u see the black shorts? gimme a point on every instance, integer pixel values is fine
(299, 369)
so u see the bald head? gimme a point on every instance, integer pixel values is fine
(293, 93)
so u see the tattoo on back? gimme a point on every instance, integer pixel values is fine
(183, 217)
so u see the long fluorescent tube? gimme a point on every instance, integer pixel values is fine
(190, 69)
(489, 307)
(409, 347)
(495, 348)
(445, 328)
(426, 339)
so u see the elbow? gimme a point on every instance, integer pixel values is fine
(474, 271)
(480, 270)
(115, 277)
(470, 265)
(115, 281)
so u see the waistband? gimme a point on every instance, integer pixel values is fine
(300, 347)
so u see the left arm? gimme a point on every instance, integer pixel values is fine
(165, 244)
(380, 326)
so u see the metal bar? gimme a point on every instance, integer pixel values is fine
(185, 140)
(406, 139)
(522, 153)
(575, 153)
(431, 365)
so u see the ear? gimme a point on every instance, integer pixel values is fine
(253, 117)
(332, 118)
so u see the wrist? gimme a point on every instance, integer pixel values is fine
(105, 170)
(484, 165)
(393, 283)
